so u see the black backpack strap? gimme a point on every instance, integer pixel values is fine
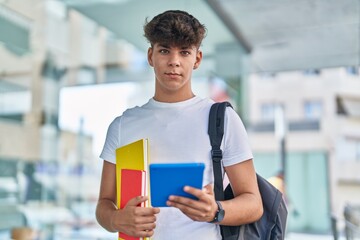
(216, 133)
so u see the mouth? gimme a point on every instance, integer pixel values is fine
(172, 74)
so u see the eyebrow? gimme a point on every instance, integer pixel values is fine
(167, 46)
(164, 46)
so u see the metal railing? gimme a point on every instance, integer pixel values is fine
(352, 222)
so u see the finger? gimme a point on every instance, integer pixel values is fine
(197, 213)
(154, 210)
(175, 201)
(145, 233)
(137, 233)
(143, 218)
(146, 213)
(145, 230)
(150, 211)
(188, 205)
(136, 201)
(146, 227)
(194, 191)
(201, 194)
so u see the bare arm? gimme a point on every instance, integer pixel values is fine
(132, 220)
(246, 206)
(106, 205)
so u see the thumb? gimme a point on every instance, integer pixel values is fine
(136, 201)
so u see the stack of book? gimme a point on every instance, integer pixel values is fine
(132, 163)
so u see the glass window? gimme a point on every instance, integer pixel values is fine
(357, 151)
(313, 109)
(312, 72)
(352, 70)
(268, 111)
(348, 149)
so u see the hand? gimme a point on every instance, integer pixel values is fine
(202, 210)
(135, 221)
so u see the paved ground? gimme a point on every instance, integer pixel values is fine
(300, 236)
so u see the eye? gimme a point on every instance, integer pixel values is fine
(164, 51)
(185, 53)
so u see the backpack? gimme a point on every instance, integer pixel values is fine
(272, 224)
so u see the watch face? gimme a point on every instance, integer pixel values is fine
(221, 215)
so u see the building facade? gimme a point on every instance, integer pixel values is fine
(321, 140)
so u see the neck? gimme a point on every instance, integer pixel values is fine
(172, 98)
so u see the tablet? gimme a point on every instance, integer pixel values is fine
(170, 179)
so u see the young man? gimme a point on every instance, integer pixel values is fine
(175, 121)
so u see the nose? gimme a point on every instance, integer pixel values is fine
(174, 60)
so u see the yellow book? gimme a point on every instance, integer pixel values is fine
(135, 156)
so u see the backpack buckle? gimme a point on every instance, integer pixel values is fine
(216, 155)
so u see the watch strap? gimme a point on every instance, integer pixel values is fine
(216, 217)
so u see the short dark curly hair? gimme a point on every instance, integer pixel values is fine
(175, 28)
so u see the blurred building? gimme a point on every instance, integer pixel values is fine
(322, 136)
(49, 176)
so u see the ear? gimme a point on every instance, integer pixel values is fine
(198, 59)
(149, 56)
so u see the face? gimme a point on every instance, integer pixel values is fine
(173, 68)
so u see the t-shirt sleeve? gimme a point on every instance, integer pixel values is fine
(236, 147)
(111, 141)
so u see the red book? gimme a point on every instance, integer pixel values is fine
(133, 184)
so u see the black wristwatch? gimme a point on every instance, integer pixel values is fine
(219, 215)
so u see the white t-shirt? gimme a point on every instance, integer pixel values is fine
(177, 132)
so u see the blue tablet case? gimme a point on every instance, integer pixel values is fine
(170, 179)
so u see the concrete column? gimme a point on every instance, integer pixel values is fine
(232, 64)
